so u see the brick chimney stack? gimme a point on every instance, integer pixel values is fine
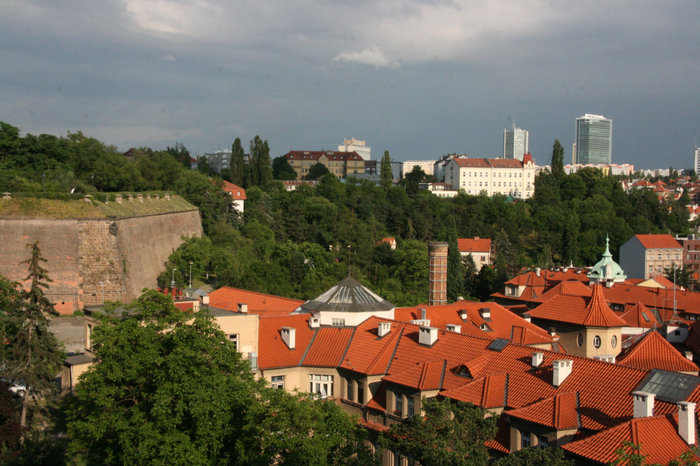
(437, 291)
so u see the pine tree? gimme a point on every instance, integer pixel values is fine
(36, 355)
(455, 278)
(238, 166)
(385, 176)
(260, 164)
(557, 160)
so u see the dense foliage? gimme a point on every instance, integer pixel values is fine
(169, 388)
(299, 243)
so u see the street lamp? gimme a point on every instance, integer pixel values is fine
(172, 279)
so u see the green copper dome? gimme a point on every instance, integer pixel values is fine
(607, 269)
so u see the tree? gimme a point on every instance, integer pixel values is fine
(296, 429)
(535, 456)
(36, 355)
(282, 170)
(449, 433)
(557, 160)
(681, 276)
(238, 166)
(386, 177)
(316, 171)
(260, 171)
(164, 385)
(181, 154)
(455, 276)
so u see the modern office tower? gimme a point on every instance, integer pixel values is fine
(696, 165)
(593, 139)
(355, 145)
(515, 143)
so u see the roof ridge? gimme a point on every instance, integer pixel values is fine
(402, 327)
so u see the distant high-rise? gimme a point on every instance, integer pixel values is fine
(515, 143)
(593, 139)
(355, 145)
(696, 166)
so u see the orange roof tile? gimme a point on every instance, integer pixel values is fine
(474, 244)
(236, 192)
(488, 391)
(369, 353)
(638, 315)
(654, 352)
(599, 313)
(576, 309)
(657, 437)
(559, 412)
(273, 351)
(328, 346)
(426, 375)
(228, 298)
(658, 242)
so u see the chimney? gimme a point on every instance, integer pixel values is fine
(253, 360)
(463, 314)
(537, 359)
(454, 328)
(205, 300)
(485, 313)
(643, 404)
(427, 336)
(437, 289)
(526, 317)
(383, 328)
(538, 271)
(314, 322)
(289, 336)
(423, 314)
(552, 331)
(243, 308)
(561, 369)
(686, 421)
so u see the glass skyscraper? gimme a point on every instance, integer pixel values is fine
(515, 143)
(593, 139)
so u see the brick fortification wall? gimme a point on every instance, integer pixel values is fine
(94, 259)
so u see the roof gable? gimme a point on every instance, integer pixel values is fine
(658, 241)
(654, 352)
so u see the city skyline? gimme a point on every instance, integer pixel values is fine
(417, 78)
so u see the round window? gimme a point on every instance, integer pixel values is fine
(579, 340)
(596, 341)
(613, 341)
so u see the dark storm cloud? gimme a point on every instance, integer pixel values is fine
(419, 78)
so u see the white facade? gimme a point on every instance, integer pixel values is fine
(492, 176)
(515, 143)
(355, 145)
(428, 166)
(607, 169)
(696, 165)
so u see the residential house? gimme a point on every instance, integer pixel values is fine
(509, 177)
(237, 195)
(644, 256)
(478, 248)
(340, 164)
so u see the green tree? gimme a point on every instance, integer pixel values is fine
(181, 154)
(535, 456)
(36, 355)
(282, 170)
(557, 160)
(316, 171)
(260, 172)
(296, 429)
(385, 175)
(238, 166)
(448, 433)
(455, 276)
(681, 276)
(165, 387)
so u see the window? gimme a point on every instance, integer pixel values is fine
(613, 341)
(349, 391)
(277, 381)
(525, 440)
(360, 393)
(398, 403)
(321, 385)
(542, 441)
(410, 406)
(233, 338)
(579, 340)
(596, 341)
(338, 322)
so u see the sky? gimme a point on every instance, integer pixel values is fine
(418, 78)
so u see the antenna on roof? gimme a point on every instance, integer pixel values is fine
(349, 259)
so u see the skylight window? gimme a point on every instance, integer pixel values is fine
(498, 344)
(669, 386)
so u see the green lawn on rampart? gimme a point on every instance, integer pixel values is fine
(27, 207)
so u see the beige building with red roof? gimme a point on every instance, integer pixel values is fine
(644, 256)
(341, 164)
(237, 194)
(509, 177)
(478, 248)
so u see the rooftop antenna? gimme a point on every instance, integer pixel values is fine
(349, 259)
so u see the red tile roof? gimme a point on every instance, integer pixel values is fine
(559, 412)
(236, 192)
(273, 351)
(474, 244)
(258, 303)
(316, 154)
(640, 316)
(502, 323)
(654, 352)
(328, 347)
(426, 375)
(489, 163)
(657, 437)
(576, 309)
(658, 241)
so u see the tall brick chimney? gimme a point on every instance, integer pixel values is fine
(437, 291)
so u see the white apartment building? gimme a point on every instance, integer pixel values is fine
(509, 177)
(355, 145)
(428, 166)
(696, 165)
